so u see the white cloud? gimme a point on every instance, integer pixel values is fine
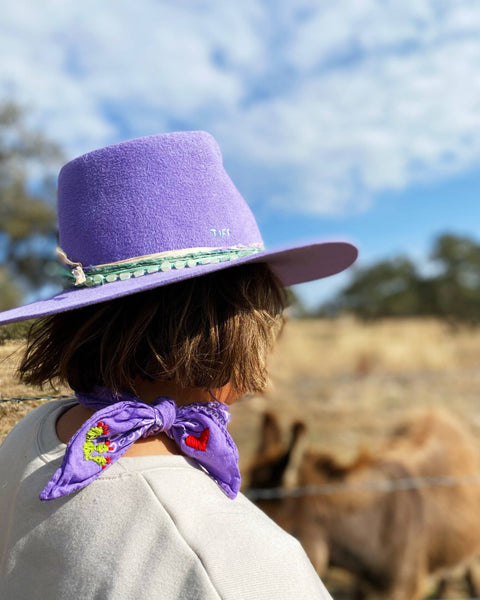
(335, 101)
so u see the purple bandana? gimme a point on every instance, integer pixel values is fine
(198, 429)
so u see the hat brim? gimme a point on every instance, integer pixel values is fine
(292, 265)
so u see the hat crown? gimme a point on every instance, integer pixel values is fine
(148, 195)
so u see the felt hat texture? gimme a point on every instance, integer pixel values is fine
(158, 198)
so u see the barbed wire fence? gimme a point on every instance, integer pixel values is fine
(18, 399)
(376, 485)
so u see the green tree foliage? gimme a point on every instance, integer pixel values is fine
(27, 212)
(395, 288)
(388, 288)
(457, 287)
(9, 293)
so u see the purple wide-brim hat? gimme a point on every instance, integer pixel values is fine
(156, 210)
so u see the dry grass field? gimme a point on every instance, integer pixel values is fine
(349, 381)
(12, 412)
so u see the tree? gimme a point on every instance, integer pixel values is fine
(458, 283)
(396, 288)
(27, 208)
(388, 288)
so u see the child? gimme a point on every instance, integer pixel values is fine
(171, 306)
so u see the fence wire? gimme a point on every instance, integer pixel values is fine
(26, 398)
(376, 485)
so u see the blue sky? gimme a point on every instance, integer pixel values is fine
(358, 119)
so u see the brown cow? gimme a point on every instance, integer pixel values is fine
(391, 540)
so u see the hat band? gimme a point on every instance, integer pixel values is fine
(80, 276)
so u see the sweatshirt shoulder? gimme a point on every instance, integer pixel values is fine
(245, 553)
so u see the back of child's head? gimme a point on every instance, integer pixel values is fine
(201, 332)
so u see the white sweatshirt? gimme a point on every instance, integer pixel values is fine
(150, 527)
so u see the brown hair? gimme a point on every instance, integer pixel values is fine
(201, 332)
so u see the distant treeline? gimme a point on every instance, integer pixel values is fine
(397, 288)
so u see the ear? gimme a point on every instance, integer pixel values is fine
(270, 434)
(296, 452)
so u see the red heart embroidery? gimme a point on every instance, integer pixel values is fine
(198, 443)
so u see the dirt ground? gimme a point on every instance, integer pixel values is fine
(349, 381)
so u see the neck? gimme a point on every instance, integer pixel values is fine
(148, 391)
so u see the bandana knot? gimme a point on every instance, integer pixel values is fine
(164, 414)
(199, 431)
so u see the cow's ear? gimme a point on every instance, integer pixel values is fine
(270, 434)
(297, 432)
(295, 454)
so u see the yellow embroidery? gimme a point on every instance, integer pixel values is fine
(89, 446)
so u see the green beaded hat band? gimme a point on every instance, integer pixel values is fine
(80, 276)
